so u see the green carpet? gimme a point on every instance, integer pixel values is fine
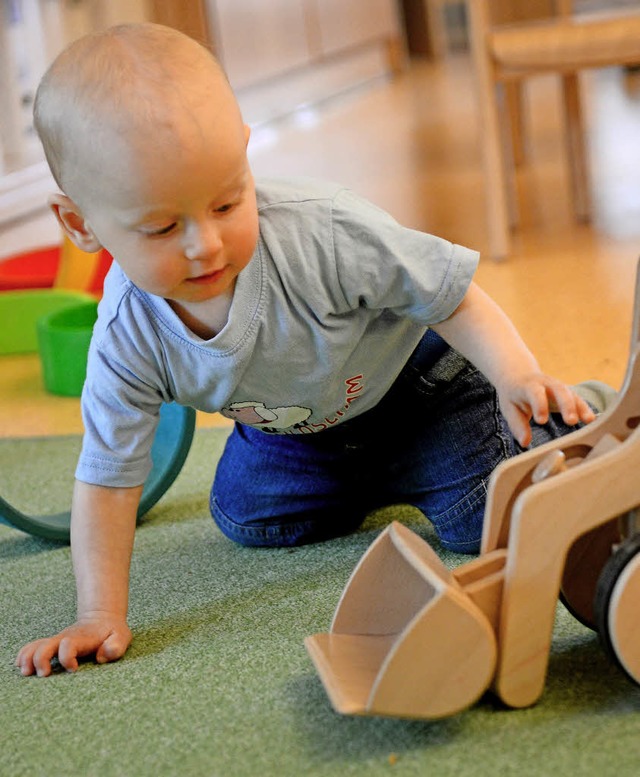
(217, 682)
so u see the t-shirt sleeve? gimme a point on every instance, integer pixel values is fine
(120, 414)
(384, 265)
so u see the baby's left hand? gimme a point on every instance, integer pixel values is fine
(536, 395)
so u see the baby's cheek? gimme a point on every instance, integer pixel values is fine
(162, 276)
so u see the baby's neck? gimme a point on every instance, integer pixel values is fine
(205, 319)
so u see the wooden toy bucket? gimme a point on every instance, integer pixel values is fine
(406, 640)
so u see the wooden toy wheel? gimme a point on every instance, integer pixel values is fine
(584, 563)
(616, 607)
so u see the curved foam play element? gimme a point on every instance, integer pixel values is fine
(21, 310)
(169, 451)
(81, 270)
(59, 266)
(35, 269)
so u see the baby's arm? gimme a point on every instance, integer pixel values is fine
(482, 332)
(103, 522)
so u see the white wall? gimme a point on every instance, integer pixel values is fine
(32, 33)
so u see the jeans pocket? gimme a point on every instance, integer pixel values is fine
(451, 366)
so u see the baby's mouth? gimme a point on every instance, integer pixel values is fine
(211, 277)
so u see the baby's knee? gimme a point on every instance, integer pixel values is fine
(256, 534)
(282, 531)
(459, 528)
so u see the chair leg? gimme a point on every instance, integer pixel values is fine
(506, 94)
(491, 136)
(396, 54)
(514, 96)
(576, 147)
(499, 172)
(437, 28)
(498, 202)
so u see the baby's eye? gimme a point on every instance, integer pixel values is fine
(162, 230)
(224, 208)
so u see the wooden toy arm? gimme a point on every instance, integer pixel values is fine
(547, 519)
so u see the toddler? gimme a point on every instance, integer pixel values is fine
(359, 361)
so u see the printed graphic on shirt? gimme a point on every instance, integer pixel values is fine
(269, 419)
(290, 419)
(353, 391)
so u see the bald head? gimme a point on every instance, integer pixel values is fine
(126, 79)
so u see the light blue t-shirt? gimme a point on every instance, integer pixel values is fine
(323, 319)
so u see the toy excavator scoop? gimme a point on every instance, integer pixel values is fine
(403, 622)
(411, 638)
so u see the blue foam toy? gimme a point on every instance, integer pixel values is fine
(170, 448)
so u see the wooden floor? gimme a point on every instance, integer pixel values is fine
(411, 145)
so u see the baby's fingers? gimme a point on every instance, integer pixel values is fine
(36, 657)
(68, 654)
(113, 648)
(537, 401)
(107, 644)
(571, 407)
(585, 412)
(518, 421)
(24, 660)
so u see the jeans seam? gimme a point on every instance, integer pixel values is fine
(471, 498)
(272, 532)
(478, 493)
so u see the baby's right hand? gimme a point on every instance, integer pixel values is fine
(105, 637)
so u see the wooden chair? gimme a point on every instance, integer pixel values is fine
(513, 40)
(438, 34)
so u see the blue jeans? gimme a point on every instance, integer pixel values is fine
(431, 442)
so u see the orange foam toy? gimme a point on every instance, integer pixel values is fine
(59, 267)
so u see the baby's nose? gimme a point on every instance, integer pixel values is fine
(203, 242)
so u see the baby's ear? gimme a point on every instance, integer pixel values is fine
(74, 223)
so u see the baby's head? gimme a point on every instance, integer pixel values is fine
(145, 139)
(128, 84)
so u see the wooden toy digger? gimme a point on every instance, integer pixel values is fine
(411, 638)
